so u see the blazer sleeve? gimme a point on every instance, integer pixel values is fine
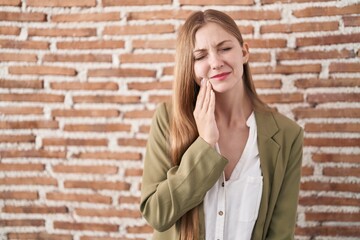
(282, 225)
(168, 191)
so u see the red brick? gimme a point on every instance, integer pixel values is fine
(344, 67)
(38, 236)
(326, 186)
(255, 15)
(107, 3)
(6, 167)
(86, 226)
(85, 113)
(74, 197)
(159, 15)
(85, 169)
(98, 185)
(29, 97)
(333, 97)
(327, 11)
(106, 99)
(4, 30)
(142, 229)
(61, 3)
(16, 138)
(29, 125)
(147, 58)
(129, 199)
(19, 195)
(307, 171)
(216, 2)
(77, 58)
(133, 172)
(276, 84)
(332, 217)
(139, 114)
(296, 55)
(21, 110)
(22, 17)
(13, 57)
(121, 72)
(168, 71)
(351, 21)
(102, 44)
(98, 127)
(22, 223)
(132, 142)
(28, 181)
(266, 43)
(332, 127)
(333, 142)
(326, 113)
(86, 17)
(84, 86)
(125, 213)
(335, 158)
(154, 44)
(74, 142)
(10, 3)
(282, 98)
(341, 172)
(62, 32)
(145, 86)
(260, 57)
(159, 98)
(35, 209)
(139, 29)
(144, 129)
(34, 84)
(299, 27)
(288, 69)
(327, 40)
(109, 155)
(5, 43)
(328, 231)
(43, 70)
(331, 201)
(31, 154)
(290, 1)
(332, 82)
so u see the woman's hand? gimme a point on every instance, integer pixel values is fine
(204, 113)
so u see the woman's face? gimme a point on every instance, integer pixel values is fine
(218, 57)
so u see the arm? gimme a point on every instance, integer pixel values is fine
(168, 192)
(283, 220)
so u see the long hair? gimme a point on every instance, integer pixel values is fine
(183, 131)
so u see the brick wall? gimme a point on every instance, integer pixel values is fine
(80, 79)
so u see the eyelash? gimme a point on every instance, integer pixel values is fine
(202, 57)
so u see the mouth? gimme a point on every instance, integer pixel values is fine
(221, 75)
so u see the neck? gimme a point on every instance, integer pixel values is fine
(233, 108)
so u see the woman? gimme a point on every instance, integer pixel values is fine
(219, 163)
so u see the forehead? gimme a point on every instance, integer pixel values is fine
(210, 35)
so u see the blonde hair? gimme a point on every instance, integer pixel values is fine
(183, 130)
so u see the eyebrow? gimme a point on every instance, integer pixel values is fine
(217, 45)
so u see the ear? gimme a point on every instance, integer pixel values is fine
(245, 51)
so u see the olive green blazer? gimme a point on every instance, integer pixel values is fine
(168, 191)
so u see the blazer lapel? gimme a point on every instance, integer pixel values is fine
(268, 153)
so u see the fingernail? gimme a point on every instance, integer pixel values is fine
(202, 81)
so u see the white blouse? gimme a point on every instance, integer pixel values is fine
(231, 207)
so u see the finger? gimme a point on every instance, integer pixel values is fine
(207, 96)
(211, 108)
(200, 97)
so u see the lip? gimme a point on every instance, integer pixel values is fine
(221, 76)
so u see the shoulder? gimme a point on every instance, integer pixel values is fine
(286, 124)
(161, 117)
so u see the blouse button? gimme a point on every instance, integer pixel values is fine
(222, 184)
(221, 213)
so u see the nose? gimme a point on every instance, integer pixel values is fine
(215, 61)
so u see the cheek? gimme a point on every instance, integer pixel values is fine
(200, 70)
